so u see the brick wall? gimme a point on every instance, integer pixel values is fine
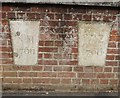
(58, 67)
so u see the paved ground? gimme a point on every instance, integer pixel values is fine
(41, 93)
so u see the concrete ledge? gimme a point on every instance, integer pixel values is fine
(114, 3)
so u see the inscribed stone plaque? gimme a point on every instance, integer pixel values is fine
(25, 38)
(93, 42)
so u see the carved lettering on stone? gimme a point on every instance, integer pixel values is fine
(25, 38)
(93, 42)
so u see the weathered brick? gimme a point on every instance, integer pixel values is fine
(113, 81)
(66, 74)
(67, 68)
(67, 16)
(27, 74)
(111, 63)
(86, 75)
(48, 56)
(112, 44)
(27, 80)
(58, 43)
(78, 69)
(108, 69)
(65, 81)
(86, 17)
(103, 81)
(55, 81)
(85, 81)
(105, 75)
(74, 50)
(95, 81)
(9, 74)
(46, 74)
(112, 51)
(47, 68)
(57, 68)
(47, 49)
(12, 80)
(11, 15)
(6, 61)
(50, 62)
(59, 16)
(49, 43)
(77, 17)
(110, 57)
(41, 80)
(88, 69)
(37, 68)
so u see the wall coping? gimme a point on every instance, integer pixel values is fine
(114, 3)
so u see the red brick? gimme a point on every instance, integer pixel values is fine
(88, 69)
(110, 57)
(114, 33)
(58, 43)
(116, 69)
(78, 69)
(86, 75)
(6, 55)
(40, 9)
(65, 81)
(37, 68)
(111, 63)
(42, 43)
(6, 8)
(94, 81)
(108, 69)
(114, 81)
(46, 74)
(117, 57)
(76, 81)
(41, 80)
(59, 16)
(6, 61)
(24, 68)
(58, 56)
(47, 68)
(107, 18)
(72, 63)
(103, 81)
(48, 56)
(57, 68)
(74, 50)
(112, 45)
(112, 51)
(40, 56)
(87, 17)
(67, 16)
(9, 74)
(97, 17)
(77, 17)
(76, 10)
(11, 15)
(12, 80)
(47, 49)
(53, 23)
(58, 10)
(4, 15)
(105, 75)
(49, 43)
(5, 49)
(49, 62)
(66, 68)
(85, 81)
(27, 80)
(66, 74)
(112, 38)
(7, 68)
(31, 15)
(27, 74)
(55, 81)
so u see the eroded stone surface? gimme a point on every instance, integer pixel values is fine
(93, 41)
(25, 38)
